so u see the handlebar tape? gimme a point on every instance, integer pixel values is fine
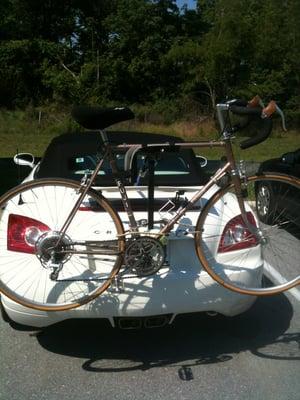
(264, 133)
(266, 124)
(245, 110)
(239, 103)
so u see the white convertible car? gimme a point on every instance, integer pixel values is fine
(181, 285)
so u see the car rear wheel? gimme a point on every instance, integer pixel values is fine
(264, 200)
(44, 269)
(260, 256)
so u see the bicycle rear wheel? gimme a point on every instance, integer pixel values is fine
(262, 258)
(87, 258)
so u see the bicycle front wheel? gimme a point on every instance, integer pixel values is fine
(261, 256)
(43, 269)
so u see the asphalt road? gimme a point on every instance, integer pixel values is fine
(253, 356)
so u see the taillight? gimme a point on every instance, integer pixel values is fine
(23, 232)
(236, 235)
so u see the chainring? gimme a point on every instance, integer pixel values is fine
(144, 255)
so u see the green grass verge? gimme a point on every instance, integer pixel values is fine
(22, 132)
(271, 148)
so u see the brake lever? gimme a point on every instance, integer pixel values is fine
(271, 108)
(256, 102)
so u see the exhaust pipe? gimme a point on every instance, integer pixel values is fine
(212, 313)
(157, 321)
(129, 323)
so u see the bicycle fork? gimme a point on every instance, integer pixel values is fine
(240, 183)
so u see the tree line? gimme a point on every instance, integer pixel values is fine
(149, 53)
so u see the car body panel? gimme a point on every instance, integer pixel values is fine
(180, 286)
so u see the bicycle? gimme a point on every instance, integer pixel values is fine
(47, 263)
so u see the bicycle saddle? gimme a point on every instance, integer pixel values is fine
(100, 118)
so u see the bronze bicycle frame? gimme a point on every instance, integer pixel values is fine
(229, 167)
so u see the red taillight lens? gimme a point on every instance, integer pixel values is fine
(23, 232)
(236, 235)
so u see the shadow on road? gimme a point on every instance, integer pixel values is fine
(192, 340)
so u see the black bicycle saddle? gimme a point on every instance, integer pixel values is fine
(100, 118)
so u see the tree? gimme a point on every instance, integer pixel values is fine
(148, 51)
(139, 33)
(226, 48)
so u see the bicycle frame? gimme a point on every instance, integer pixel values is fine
(229, 168)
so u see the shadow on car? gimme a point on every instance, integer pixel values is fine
(193, 339)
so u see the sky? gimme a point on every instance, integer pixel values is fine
(190, 3)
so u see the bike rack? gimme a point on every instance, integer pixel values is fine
(150, 153)
(151, 186)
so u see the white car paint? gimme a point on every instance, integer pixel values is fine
(181, 286)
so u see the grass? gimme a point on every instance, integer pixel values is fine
(23, 132)
(205, 129)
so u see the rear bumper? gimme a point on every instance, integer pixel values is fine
(183, 289)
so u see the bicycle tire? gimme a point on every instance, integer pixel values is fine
(245, 262)
(31, 215)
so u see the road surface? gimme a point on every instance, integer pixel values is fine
(252, 356)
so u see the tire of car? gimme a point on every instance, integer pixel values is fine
(264, 201)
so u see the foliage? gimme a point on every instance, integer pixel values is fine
(149, 53)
